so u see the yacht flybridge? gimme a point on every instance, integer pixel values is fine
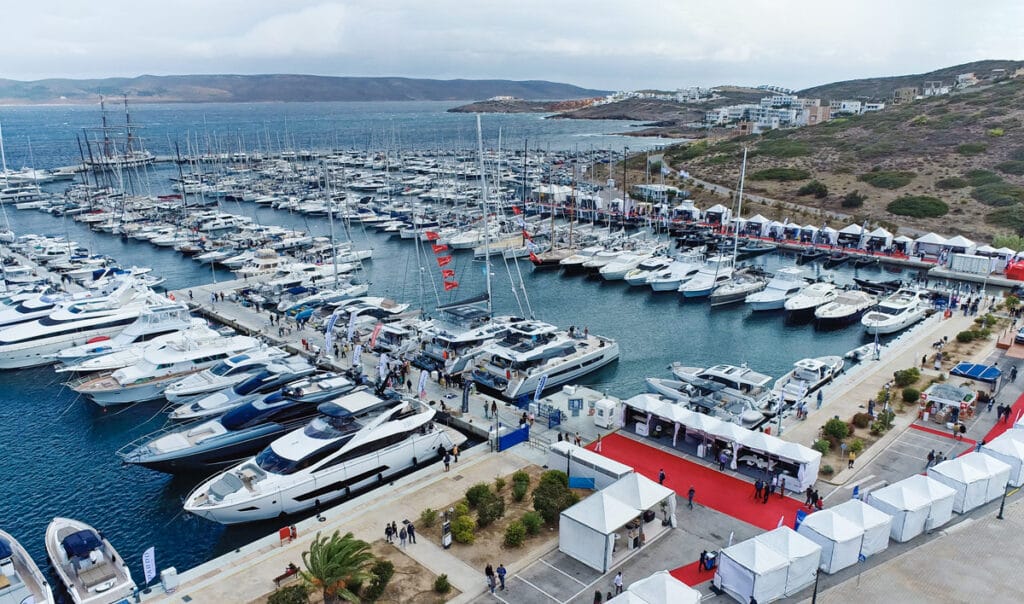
(897, 312)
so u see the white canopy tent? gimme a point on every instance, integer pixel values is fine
(718, 214)
(808, 232)
(880, 237)
(876, 524)
(757, 225)
(751, 568)
(929, 244)
(998, 473)
(839, 538)
(628, 597)
(960, 245)
(642, 493)
(776, 228)
(969, 482)
(1008, 448)
(586, 530)
(663, 588)
(583, 462)
(941, 496)
(903, 242)
(852, 235)
(907, 505)
(986, 250)
(828, 235)
(803, 554)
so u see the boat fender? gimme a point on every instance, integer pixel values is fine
(414, 462)
(380, 476)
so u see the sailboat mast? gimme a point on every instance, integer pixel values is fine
(330, 218)
(739, 207)
(483, 198)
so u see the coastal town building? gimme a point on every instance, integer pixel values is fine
(846, 107)
(903, 95)
(934, 88)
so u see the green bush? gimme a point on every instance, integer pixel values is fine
(911, 395)
(918, 206)
(976, 178)
(463, 528)
(888, 179)
(861, 420)
(687, 152)
(954, 182)
(499, 484)
(477, 493)
(490, 509)
(532, 521)
(442, 585)
(853, 199)
(519, 490)
(780, 174)
(1010, 217)
(857, 445)
(782, 147)
(1014, 166)
(995, 132)
(461, 509)
(520, 477)
(906, 377)
(971, 148)
(998, 194)
(827, 470)
(428, 517)
(965, 337)
(552, 495)
(822, 446)
(515, 534)
(816, 188)
(381, 573)
(836, 428)
(293, 594)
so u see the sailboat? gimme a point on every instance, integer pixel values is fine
(741, 283)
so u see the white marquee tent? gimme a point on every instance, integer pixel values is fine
(907, 505)
(960, 245)
(1009, 449)
(586, 530)
(930, 244)
(876, 524)
(628, 597)
(588, 464)
(941, 495)
(970, 480)
(839, 538)
(998, 473)
(828, 235)
(881, 237)
(803, 554)
(663, 588)
(642, 493)
(751, 568)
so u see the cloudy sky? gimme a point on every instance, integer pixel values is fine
(597, 43)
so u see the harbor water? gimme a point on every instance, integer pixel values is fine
(61, 449)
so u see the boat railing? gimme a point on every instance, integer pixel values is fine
(123, 451)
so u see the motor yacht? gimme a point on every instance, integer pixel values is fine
(87, 564)
(786, 283)
(646, 268)
(737, 380)
(680, 271)
(535, 354)
(159, 367)
(112, 361)
(616, 269)
(737, 289)
(21, 581)
(153, 322)
(383, 309)
(240, 433)
(848, 306)
(359, 441)
(897, 312)
(574, 263)
(275, 376)
(716, 271)
(802, 305)
(222, 375)
(807, 376)
(711, 398)
(601, 259)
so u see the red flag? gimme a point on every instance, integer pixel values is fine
(444, 260)
(526, 236)
(432, 236)
(376, 332)
(447, 273)
(534, 258)
(450, 285)
(440, 248)
(516, 210)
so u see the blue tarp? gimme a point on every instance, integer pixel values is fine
(977, 371)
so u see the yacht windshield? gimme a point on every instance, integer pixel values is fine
(326, 427)
(271, 462)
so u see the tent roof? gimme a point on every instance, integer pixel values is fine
(797, 452)
(644, 402)
(959, 471)
(833, 526)
(853, 229)
(903, 496)
(729, 431)
(903, 239)
(931, 238)
(809, 227)
(717, 209)
(862, 514)
(628, 597)
(959, 241)
(756, 556)
(928, 486)
(588, 456)
(1006, 251)
(757, 218)
(1009, 443)
(762, 442)
(638, 491)
(672, 412)
(828, 229)
(880, 232)
(789, 543)
(989, 465)
(663, 587)
(986, 249)
(602, 512)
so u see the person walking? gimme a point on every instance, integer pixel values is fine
(931, 458)
(689, 496)
(501, 575)
(447, 461)
(703, 561)
(489, 574)
(598, 598)
(455, 453)
(723, 458)
(402, 536)
(661, 476)
(394, 529)
(767, 493)
(1013, 373)
(387, 533)
(617, 582)
(809, 493)
(963, 430)
(852, 458)
(821, 397)
(758, 485)
(597, 445)
(782, 487)
(412, 533)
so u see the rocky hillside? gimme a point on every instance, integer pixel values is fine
(953, 164)
(881, 89)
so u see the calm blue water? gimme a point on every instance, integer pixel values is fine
(60, 451)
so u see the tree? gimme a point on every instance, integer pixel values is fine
(816, 188)
(333, 564)
(853, 199)
(552, 495)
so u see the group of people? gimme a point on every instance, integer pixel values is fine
(813, 500)
(495, 577)
(1003, 412)
(407, 533)
(763, 489)
(935, 458)
(575, 439)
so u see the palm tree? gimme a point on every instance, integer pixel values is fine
(334, 564)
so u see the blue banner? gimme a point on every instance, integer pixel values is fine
(540, 387)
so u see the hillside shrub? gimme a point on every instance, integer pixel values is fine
(827, 470)
(428, 517)
(822, 446)
(1017, 154)
(918, 206)
(477, 493)
(998, 194)
(911, 395)
(783, 148)
(1014, 166)
(971, 148)
(836, 428)
(853, 199)
(499, 484)
(520, 477)
(515, 534)
(1010, 217)
(995, 132)
(442, 585)
(293, 594)
(953, 182)
(460, 509)
(532, 521)
(816, 188)
(688, 152)
(781, 174)
(976, 178)
(380, 573)
(552, 495)
(887, 179)
(861, 420)
(906, 377)
(463, 529)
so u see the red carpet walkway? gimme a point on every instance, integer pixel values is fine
(715, 490)
(691, 575)
(942, 433)
(1001, 427)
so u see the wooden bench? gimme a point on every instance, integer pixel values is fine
(290, 573)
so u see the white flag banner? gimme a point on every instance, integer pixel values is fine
(357, 356)
(422, 389)
(382, 366)
(329, 331)
(540, 387)
(149, 564)
(351, 326)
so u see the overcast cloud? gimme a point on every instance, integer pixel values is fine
(595, 43)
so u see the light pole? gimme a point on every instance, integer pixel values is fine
(1002, 503)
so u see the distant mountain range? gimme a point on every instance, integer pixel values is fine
(279, 88)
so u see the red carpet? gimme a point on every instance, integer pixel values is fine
(714, 490)
(691, 575)
(947, 434)
(1001, 427)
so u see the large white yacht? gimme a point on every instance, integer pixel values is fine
(154, 321)
(89, 567)
(716, 271)
(680, 271)
(646, 268)
(532, 351)
(358, 441)
(33, 343)
(617, 269)
(224, 374)
(574, 263)
(451, 342)
(785, 284)
(21, 581)
(736, 379)
(807, 376)
(803, 305)
(848, 306)
(112, 361)
(147, 379)
(897, 312)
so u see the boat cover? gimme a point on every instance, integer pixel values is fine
(977, 371)
(5, 549)
(78, 545)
